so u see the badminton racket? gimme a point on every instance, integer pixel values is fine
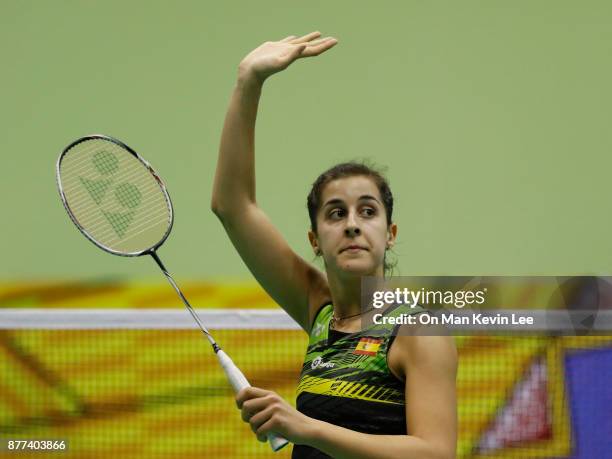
(115, 198)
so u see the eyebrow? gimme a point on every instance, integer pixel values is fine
(365, 197)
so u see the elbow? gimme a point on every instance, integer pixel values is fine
(229, 210)
(219, 210)
(218, 204)
(215, 207)
(228, 202)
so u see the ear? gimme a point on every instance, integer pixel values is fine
(391, 235)
(314, 243)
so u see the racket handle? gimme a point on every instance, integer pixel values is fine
(234, 375)
(239, 382)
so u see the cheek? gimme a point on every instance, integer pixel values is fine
(326, 238)
(379, 234)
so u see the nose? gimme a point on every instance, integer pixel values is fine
(352, 231)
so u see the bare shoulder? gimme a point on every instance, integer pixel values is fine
(423, 347)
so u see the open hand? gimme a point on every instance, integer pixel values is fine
(274, 56)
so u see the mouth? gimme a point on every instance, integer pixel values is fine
(353, 248)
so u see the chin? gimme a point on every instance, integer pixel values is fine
(357, 268)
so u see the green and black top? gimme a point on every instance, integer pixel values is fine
(346, 380)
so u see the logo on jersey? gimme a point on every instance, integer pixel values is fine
(319, 363)
(367, 346)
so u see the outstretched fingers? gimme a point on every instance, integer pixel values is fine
(308, 45)
(306, 38)
(316, 47)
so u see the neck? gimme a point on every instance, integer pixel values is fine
(346, 295)
(345, 290)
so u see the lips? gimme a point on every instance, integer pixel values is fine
(353, 247)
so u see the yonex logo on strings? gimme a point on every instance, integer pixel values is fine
(126, 194)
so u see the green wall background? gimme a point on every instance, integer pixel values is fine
(492, 117)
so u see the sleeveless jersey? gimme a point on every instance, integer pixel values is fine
(348, 382)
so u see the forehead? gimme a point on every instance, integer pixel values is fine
(350, 189)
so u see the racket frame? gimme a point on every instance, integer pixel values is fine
(147, 251)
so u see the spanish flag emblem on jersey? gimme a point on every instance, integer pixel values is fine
(367, 346)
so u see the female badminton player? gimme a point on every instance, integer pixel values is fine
(363, 393)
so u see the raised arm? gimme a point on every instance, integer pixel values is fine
(289, 280)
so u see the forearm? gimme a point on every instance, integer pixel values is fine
(235, 176)
(341, 443)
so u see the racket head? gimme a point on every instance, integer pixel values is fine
(113, 196)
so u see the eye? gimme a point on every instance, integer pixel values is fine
(336, 213)
(368, 211)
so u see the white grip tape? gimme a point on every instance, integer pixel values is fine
(239, 382)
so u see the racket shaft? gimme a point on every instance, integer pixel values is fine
(239, 382)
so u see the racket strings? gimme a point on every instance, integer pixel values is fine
(82, 196)
(91, 213)
(113, 196)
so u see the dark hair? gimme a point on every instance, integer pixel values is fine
(351, 169)
(342, 170)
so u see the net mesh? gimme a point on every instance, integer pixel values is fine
(113, 196)
(160, 393)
